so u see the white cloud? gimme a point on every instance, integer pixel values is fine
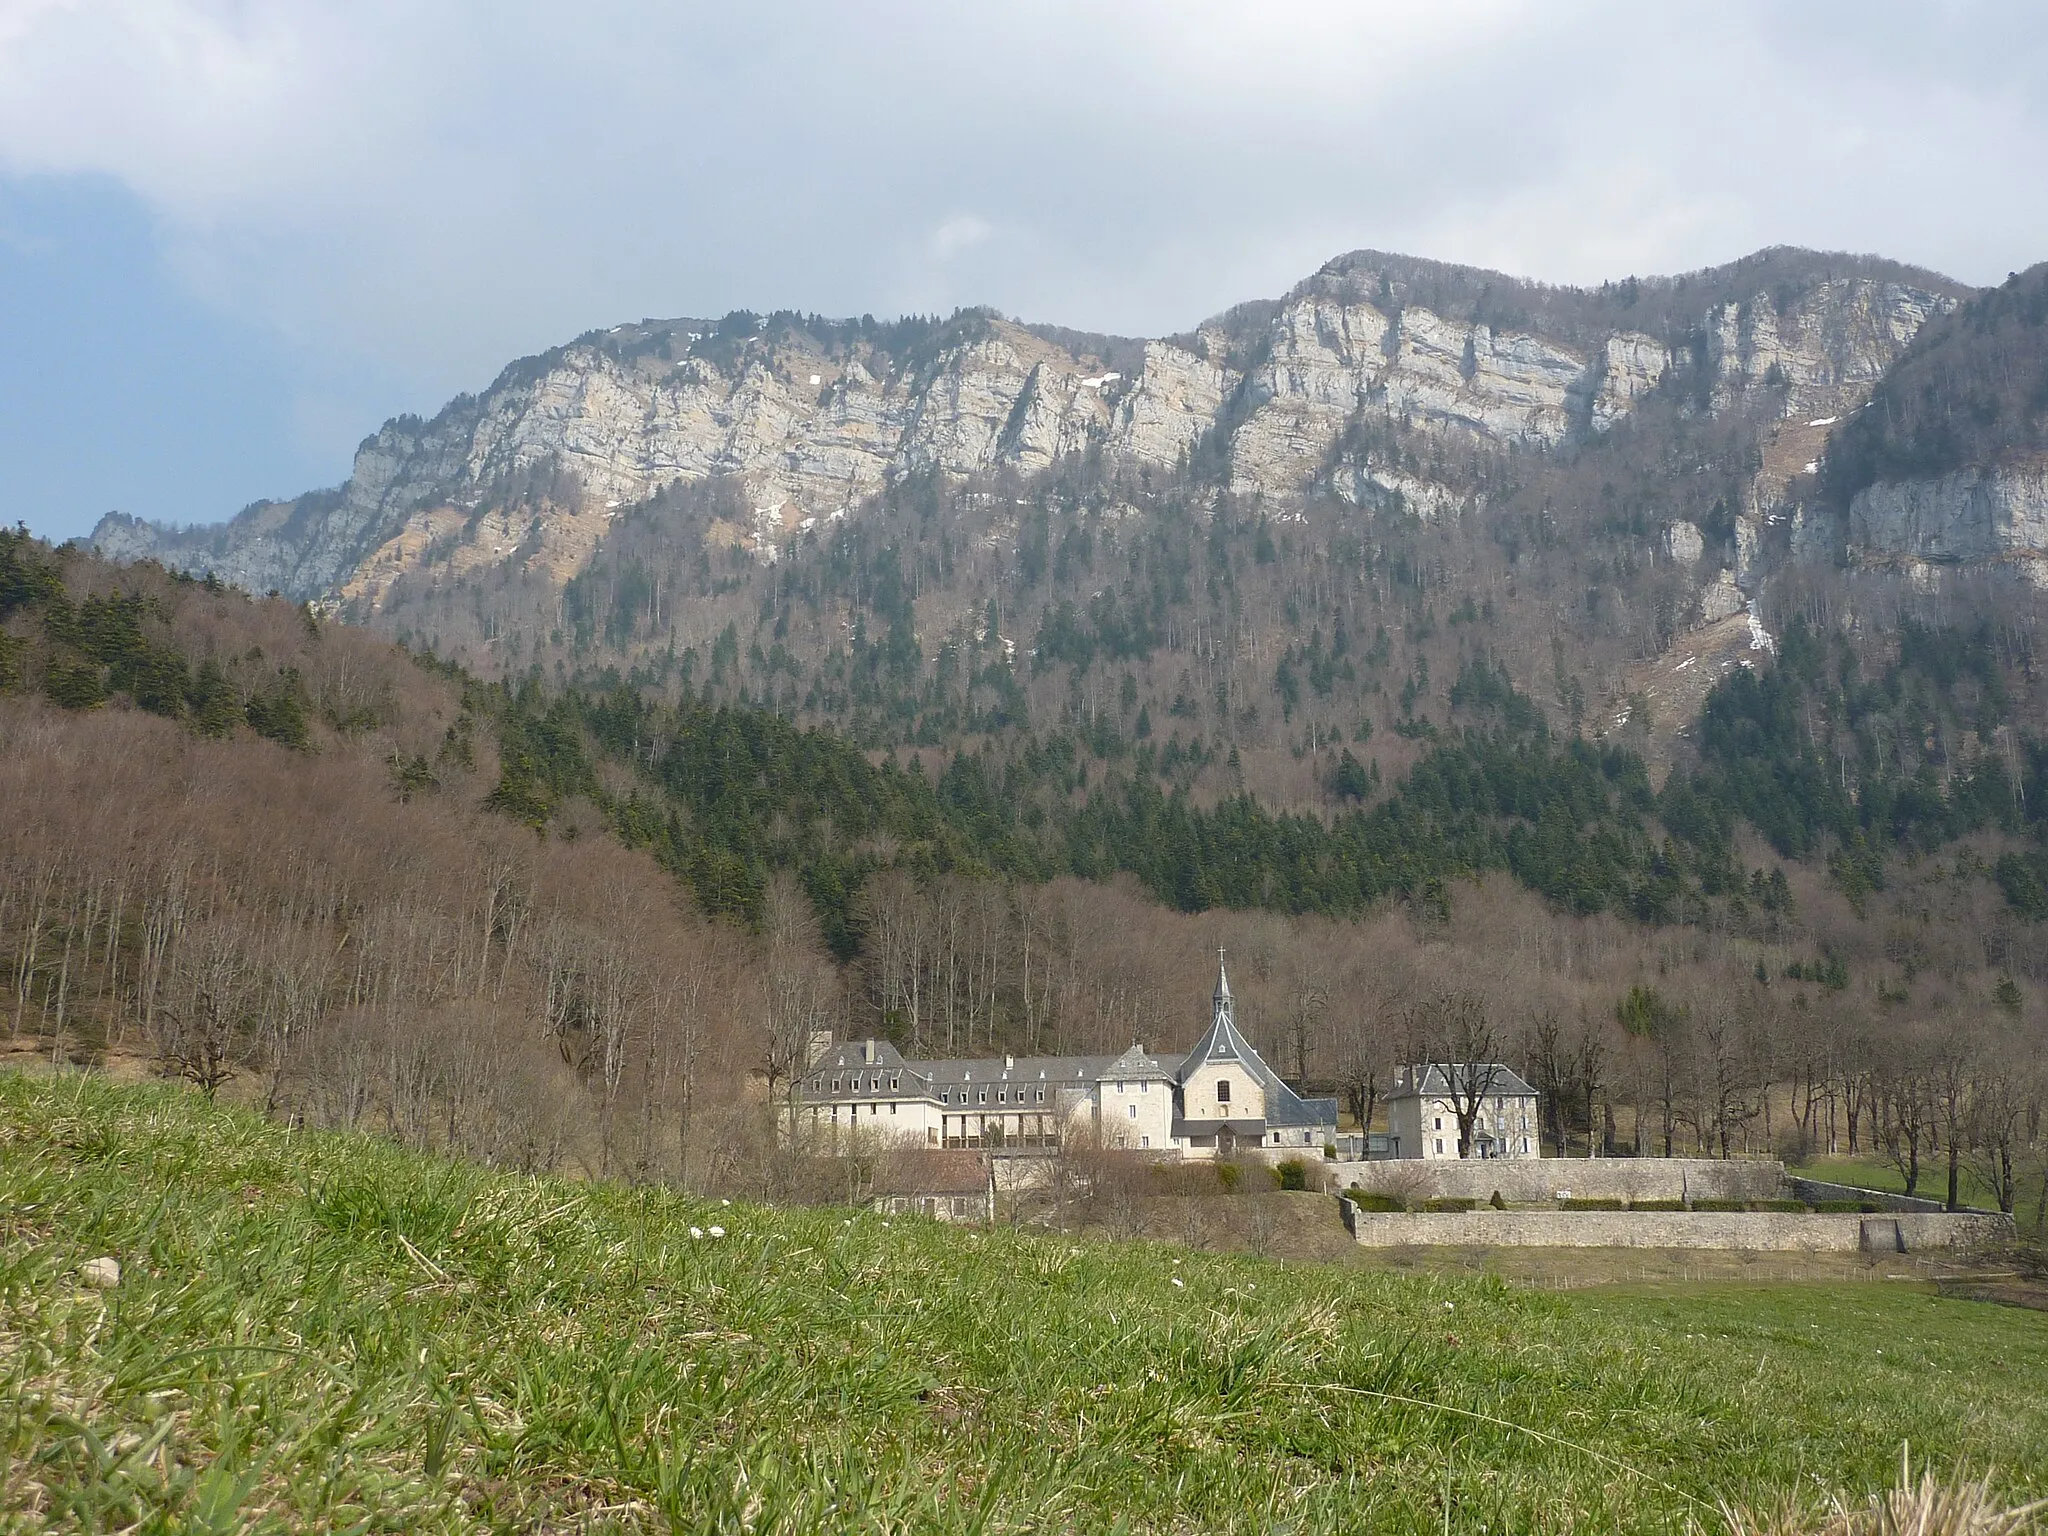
(435, 187)
(961, 233)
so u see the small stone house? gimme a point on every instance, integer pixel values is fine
(1422, 1112)
(946, 1186)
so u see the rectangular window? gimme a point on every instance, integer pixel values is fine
(1131, 1111)
(1144, 1141)
(1041, 1095)
(1222, 1090)
(984, 1096)
(1119, 1087)
(1439, 1145)
(892, 1106)
(1438, 1126)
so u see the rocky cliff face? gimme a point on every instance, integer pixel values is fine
(810, 420)
(1833, 343)
(1974, 515)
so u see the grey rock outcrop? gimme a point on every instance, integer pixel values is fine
(1721, 599)
(1329, 360)
(1973, 515)
(1175, 400)
(1840, 336)
(1682, 541)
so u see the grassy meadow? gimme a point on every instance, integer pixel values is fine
(1971, 1189)
(324, 1332)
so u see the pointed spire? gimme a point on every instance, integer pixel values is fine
(1222, 997)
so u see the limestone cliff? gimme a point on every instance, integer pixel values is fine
(1998, 514)
(808, 418)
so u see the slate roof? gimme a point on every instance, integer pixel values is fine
(1293, 1110)
(927, 1077)
(1430, 1079)
(851, 1054)
(1253, 1131)
(1075, 1071)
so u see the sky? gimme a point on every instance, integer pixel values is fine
(236, 235)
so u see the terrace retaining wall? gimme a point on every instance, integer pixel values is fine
(1540, 1180)
(1759, 1231)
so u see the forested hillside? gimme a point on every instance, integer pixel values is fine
(545, 921)
(252, 849)
(1971, 392)
(1145, 607)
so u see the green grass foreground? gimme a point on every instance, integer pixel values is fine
(324, 1332)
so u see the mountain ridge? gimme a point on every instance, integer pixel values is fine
(813, 415)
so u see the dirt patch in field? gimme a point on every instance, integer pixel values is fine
(2006, 1290)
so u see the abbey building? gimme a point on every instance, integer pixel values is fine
(1218, 1099)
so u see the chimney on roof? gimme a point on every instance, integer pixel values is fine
(1009, 1061)
(867, 1052)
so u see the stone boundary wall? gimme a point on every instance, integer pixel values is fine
(1537, 1180)
(1756, 1231)
(1813, 1191)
